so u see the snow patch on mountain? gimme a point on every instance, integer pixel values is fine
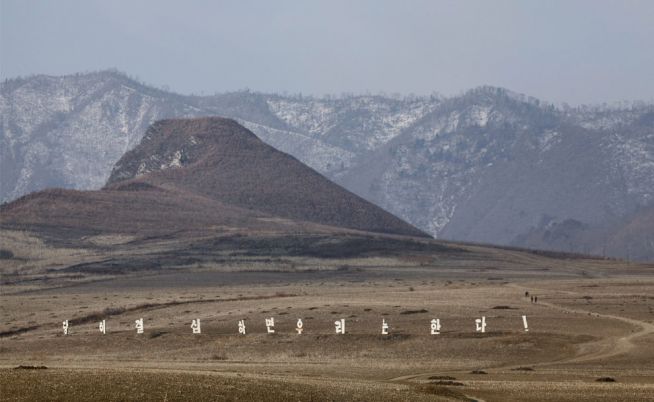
(314, 117)
(323, 157)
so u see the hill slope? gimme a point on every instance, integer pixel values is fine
(195, 173)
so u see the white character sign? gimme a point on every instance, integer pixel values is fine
(139, 325)
(65, 326)
(299, 327)
(103, 327)
(384, 330)
(241, 327)
(340, 326)
(480, 324)
(195, 326)
(270, 325)
(435, 327)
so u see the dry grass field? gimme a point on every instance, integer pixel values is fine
(594, 320)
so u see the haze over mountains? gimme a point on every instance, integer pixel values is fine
(487, 166)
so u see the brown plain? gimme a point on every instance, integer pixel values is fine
(594, 318)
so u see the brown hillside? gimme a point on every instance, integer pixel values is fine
(206, 175)
(137, 210)
(221, 160)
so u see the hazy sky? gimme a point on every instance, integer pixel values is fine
(575, 51)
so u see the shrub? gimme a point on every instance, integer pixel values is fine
(605, 379)
(6, 254)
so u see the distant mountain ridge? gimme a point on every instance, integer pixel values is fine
(487, 166)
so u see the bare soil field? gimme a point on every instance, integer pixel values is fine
(591, 331)
(581, 330)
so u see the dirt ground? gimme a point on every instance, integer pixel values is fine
(581, 330)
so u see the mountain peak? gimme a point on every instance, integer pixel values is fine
(174, 143)
(221, 160)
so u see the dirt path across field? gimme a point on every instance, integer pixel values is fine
(604, 348)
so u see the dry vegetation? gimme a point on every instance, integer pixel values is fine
(154, 385)
(594, 320)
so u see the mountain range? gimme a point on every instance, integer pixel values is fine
(487, 166)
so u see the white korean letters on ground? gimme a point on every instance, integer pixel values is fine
(340, 326)
(195, 326)
(480, 324)
(270, 325)
(435, 327)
